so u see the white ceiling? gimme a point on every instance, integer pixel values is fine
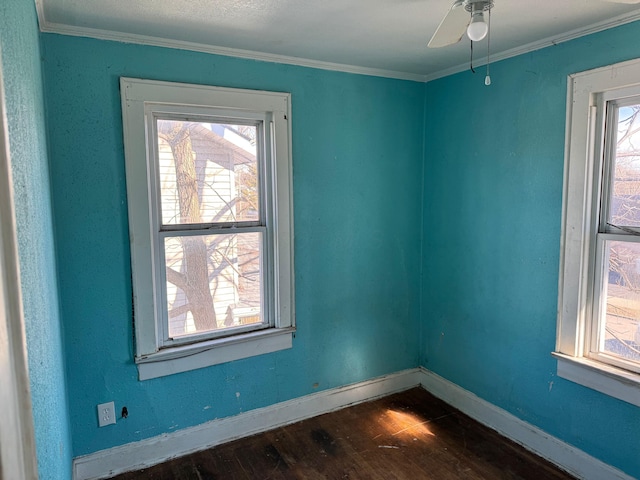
(380, 37)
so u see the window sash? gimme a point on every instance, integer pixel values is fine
(264, 154)
(609, 104)
(165, 339)
(598, 315)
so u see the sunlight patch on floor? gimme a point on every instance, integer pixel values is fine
(407, 424)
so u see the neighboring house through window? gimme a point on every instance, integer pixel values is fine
(598, 342)
(210, 212)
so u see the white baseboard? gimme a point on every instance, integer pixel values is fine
(142, 454)
(145, 453)
(566, 456)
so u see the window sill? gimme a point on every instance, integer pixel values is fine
(213, 352)
(612, 381)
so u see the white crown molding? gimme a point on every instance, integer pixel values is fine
(540, 44)
(562, 454)
(40, 13)
(145, 453)
(48, 27)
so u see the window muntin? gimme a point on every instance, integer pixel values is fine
(615, 314)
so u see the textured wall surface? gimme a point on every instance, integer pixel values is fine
(493, 163)
(357, 162)
(28, 148)
(493, 201)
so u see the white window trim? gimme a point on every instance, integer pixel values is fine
(581, 177)
(137, 96)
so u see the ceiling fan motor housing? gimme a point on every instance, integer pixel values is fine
(477, 6)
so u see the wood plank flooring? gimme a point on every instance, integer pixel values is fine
(406, 436)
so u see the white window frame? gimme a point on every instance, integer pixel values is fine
(578, 299)
(144, 100)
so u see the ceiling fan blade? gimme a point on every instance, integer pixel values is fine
(452, 27)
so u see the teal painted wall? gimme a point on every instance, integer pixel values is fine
(491, 216)
(28, 148)
(493, 199)
(357, 162)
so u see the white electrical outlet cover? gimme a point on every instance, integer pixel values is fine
(106, 414)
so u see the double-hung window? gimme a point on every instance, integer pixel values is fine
(598, 342)
(210, 212)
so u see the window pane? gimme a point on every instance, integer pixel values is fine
(207, 172)
(620, 335)
(213, 282)
(625, 190)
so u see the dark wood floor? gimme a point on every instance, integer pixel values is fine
(409, 435)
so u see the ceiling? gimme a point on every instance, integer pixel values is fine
(379, 37)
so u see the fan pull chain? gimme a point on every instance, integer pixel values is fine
(487, 79)
(471, 59)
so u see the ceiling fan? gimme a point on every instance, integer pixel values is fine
(468, 15)
(463, 16)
